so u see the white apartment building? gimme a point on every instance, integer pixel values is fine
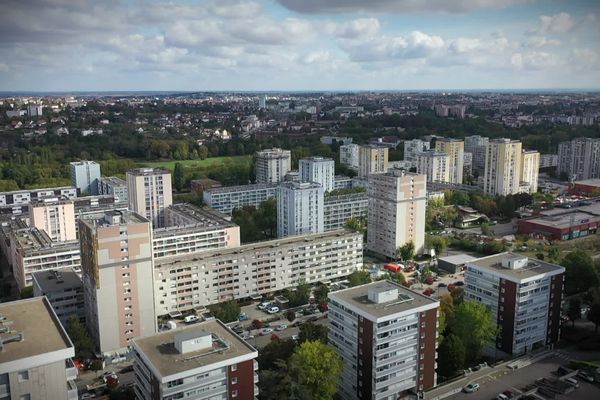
(337, 210)
(397, 203)
(205, 361)
(579, 159)
(434, 165)
(272, 165)
(502, 174)
(349, 155)
(386, 335)
(84, 176)
(299, 208)
(477, 146)
(372, 159)
(318, 169)
(54, 216)
(35, 353)
(115, 186)
(117, 265)
(548, 160)
(228, 198)
(412, 148)
(149, 191)
(455, 149)
(524, 295)
(23, 197)
(64, 290)
(189, 281)
(467, 164)
(530, 167)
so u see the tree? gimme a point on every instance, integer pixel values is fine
(266, 218)
(446, 311)
(290, 315)
(485, 229)
(318, 367)
(359, 278)
(473, 324)
(452, 355)
(27, 292)
(228, 311)
(554, 253)
(458, 295)
(298, 297)
(593, 315)
(439, 244)
(321, 293)
(84, 345)
(580, 274)
(574, 311)
(275, 350)
(178, 177)
(406, 251)
(312, 332)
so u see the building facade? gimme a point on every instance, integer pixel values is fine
(524, 295)
(205, 361)
(386, 335)
(115, 186)
(64, 290)
(149, 191)
(455, 149)
(434, 165)
(337, 210)
(35, 353)
(23, 197)
(272, 165)
(372, 159)
(54, 216)
(299, 208)
(412, 148)
(502, 174)
(548, 161)
(579, 159)
(228, 198)
(117, 266)
(397, 203)
(530, 167)
(318, 169)
(85, 175)
(477, 146)
(349, 155)
(186, 282)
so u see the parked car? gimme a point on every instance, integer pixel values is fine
(87, 396)
(471, 387)
(585, 376)
(281, 327)
(124, 370)
(243, 317)
(562, 371)
(264, 306)
(273, 310)
(459, 283)
(265, 331)
(508, 394)
(246, 336)
(314, 318)
(191, 319)
(572, 381)
(442, 284)
(295, 337)
(501, 396)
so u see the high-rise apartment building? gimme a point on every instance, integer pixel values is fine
(524, 295)
(454, 148)
(318, 169)
(434, 165)
(397, 202)
(115, 186)
(35, 353)
(299, 208)
(54, 216)
(349, 155)
(372, 159)
(272, 165)
(117, 265)
(149, 191)
(412, 148)
(530, 167)
(339, 209)
(386, 335)
(64, 290)
(467, 164)
(502, 174)
(84, 176)
(205, 361)
(477, 146)
(579, 159)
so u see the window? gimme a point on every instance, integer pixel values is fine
(23, 376)
(25, 397)
(234, 367)
(234, 380)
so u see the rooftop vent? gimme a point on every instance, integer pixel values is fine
(380, 295)
(193, 340)
(514, 262)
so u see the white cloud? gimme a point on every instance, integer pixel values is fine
(559, 23)
(358, 28)
(534, 60)
(540, 41)
(583, 59)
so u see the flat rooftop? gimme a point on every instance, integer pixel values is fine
(589, 182)
(563, 220)
(52, 280)
(160, 350)
(124, 218)
(458, 259)
(148, 171)
(43, 333)
(190, 215)
(241, 188)
(533, 268)
(406, 300)
(114, 180)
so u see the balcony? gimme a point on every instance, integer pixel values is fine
(72, 391)
(255, 365)
(255, 378)
(71, 370)
(4, 391)
(256, 390)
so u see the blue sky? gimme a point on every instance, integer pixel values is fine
(67, 45)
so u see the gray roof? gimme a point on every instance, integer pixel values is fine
(55, 281)
(534, 266)
(457, 259)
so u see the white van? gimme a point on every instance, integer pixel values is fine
(191, 318)
(273, 310)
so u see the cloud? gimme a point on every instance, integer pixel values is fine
(392, 6)
(362, 27)
(585, 59)
(540, 41)
(534, 60)
(559, 23)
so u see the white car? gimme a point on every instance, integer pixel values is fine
(265, 331)
(264, 306)
(502, 396)
(471, 387)
(273, 310)
(190, 319)
(281, 327)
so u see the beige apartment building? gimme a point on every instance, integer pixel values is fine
(397, 202)
(149, 191)
(434, 165)
(455, 149)
(54, 216)
(530, 166)
(502, 174)
(117, 265)
(372, 159)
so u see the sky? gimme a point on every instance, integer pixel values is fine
(256, 45)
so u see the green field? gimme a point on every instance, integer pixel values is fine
(206, 163)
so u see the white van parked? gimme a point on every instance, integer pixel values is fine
(191, 318)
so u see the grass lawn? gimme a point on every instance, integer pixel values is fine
(209, 162)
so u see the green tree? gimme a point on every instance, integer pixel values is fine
(321, 293)
(397, 277)
(318, 367)
(593, 315)
(580, 274)
(84, 345)
(228, 311)
(312, 332)
(357, 278)
(274, 351)
(266, 218)
(452, 354)
(178, 177)
(406, 252)
(439, 244)
(473, 324)
(27, 292)
(574, 310)
(299, 296)
(458, 295)
(485, 229)
(290, 315)
(554, 253)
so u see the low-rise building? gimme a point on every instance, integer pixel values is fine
(64, 290)
(386, 335)
(524, 295)
(26, 196)
(226, 199)
(561, 226)
(111, 185)
(35, 353)
(342, 182)
(205, 361)
(337, 210)
(588, 187)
